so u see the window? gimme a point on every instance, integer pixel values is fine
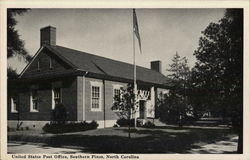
(96, 96)
(34, 105)
(56, 97)
(116, 90)
(14, 104)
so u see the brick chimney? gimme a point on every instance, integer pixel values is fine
(48, 36)
(156, 66)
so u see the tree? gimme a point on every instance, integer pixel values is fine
(174, 106)
(125, 104)
(15, 45)
(12, 74)
(218, 73)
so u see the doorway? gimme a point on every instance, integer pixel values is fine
(142, 105)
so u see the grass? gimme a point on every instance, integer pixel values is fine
(115, 140)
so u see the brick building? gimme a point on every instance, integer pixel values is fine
(84, 83)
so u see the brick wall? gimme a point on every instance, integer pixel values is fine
(80, 98)
(110, 115)
(44, 59)
(69, 99)
(107, 87)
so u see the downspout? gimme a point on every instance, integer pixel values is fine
(104, 112)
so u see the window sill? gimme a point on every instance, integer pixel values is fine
(34, 111)
(117, 110)
(95, 110)
(14, 111)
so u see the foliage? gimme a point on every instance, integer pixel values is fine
(124, 103)
(15, 45)
(218, 73)
(174, 105)
(171, 107)
(59, 114)
(123, 122)
(69, 127)
(148, 124)
(11, 73)
(179, 70)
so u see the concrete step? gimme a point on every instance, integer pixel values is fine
(157, 122)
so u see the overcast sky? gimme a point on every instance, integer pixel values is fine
(108, 32)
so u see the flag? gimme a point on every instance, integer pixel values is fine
(136, 29)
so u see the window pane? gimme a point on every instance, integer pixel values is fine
(34, 100)
(57, 95)
(14, 103)
(95, 93)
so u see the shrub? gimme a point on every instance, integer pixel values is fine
(69, 127)
(59, 114)
(9, 129)
(93, 125)
(148, 124)
(122, 122)
(125, 122)
(189, 120)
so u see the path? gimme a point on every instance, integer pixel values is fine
(38, 148)
(219, 147)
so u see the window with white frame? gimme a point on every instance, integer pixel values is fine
(116, 90)
(34, 104)
(56, 97)
(116, 93)
(14, 104)
(96, 96)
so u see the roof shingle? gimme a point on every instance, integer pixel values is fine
(105, 66)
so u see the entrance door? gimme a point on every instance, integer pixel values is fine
(142, 109)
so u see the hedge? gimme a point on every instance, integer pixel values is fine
(69, 127)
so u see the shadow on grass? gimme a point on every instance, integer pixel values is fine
(157, 140)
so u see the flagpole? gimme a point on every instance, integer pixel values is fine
(135, 85)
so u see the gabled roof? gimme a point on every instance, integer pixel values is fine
(106, 67)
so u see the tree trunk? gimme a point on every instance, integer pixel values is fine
(129, 135)
(240, 141)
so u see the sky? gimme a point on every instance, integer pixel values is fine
(108, 32)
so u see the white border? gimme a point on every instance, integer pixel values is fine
(129, 4)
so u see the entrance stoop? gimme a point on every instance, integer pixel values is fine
(157, 122)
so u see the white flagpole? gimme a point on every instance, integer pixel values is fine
(135, 85)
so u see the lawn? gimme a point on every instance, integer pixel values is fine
(167, 139)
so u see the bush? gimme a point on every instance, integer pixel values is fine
(59, 114)
(125, 122)
(148, 124)
(69, 127)
(189, 120)
(9, 129)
